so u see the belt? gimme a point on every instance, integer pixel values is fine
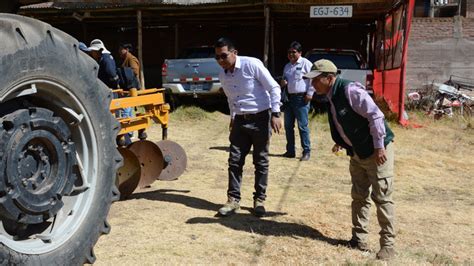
(252, 116)
(297, 94)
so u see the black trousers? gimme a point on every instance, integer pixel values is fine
(247, 131)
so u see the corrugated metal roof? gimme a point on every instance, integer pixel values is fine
(39, 6)
(364, 8)
(72, 5)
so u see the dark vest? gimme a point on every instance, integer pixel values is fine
(355, 126)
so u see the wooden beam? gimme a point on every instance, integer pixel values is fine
(267, 36)
(140, 48)
(272, 45)
(176, 39)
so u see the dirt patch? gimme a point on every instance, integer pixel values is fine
(308, 203)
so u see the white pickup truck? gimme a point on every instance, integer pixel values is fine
(350, 63)
(351, 66)
(195, 73)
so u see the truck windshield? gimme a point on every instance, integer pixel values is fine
(342, 61)
(198, 52)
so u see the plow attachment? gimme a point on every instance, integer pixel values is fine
(145, 161)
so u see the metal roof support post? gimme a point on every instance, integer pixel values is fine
(409, 7)
(176, 37)
(140, 48)
(266, 44)
(432, 9)
(272, 45)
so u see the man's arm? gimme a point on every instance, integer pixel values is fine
(364, 105)
(309, 88)
(135, 66)
(111, 71)
(307, 68)
(265, 78)
(229, 100)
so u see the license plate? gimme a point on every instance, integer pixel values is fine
(196, 87)
(330, 12)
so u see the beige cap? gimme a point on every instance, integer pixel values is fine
(321, 66)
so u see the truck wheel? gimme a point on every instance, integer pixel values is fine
(57, 147)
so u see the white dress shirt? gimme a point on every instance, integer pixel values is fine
(250, 88)
(293, 74)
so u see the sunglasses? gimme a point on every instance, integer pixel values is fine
(222, 56)
(292, 52)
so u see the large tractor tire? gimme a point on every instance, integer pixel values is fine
(57, 147)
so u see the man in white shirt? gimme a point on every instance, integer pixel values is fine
(300, 93)
(254, 102)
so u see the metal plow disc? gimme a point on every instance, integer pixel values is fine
(151, 161)
(128, 175)
(175, 160)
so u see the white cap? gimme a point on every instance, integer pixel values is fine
(98, 45)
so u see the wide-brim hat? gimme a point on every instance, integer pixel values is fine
(98, 45)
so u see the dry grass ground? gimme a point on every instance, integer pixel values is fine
(308, 203)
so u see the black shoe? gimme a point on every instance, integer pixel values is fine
(259, 208)
(305, 156)
(288, 155)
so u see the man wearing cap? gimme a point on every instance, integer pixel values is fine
(254, 103)
(358, 126)
(300, 93)
(83, 47)
(107, 69)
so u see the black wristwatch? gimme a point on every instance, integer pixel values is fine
(276, 114)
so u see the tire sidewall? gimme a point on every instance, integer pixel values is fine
(63, 63)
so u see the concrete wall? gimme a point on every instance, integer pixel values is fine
(438, 48)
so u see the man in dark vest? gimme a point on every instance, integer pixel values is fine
(358, 126)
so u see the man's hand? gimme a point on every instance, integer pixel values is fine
(308, 98)
(231, 124)
(276, 124)
(380, 157)
(283, 83)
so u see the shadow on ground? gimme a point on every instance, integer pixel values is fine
(241, 221)
(165, 195)
(248, 223)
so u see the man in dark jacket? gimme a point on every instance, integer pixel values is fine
(358, 126)
(107, 68)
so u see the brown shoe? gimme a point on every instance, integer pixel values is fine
(230, 207)
(386, 253)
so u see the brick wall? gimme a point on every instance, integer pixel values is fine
(469, 8)
(438, 48)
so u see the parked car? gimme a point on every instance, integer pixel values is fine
(195, 73)
(351, 66)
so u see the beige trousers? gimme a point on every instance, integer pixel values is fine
(365, 174)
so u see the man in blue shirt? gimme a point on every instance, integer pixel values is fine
(300, 93)
(254, 102)
(107, 68)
